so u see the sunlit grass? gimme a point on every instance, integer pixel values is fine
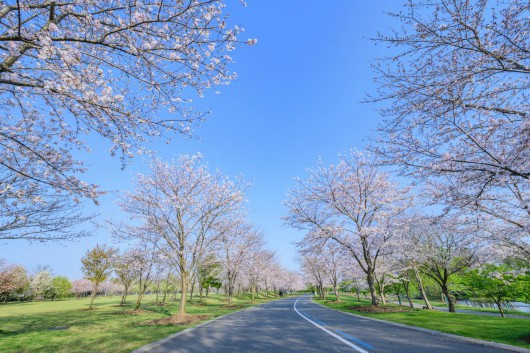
(439, 303)
(35, 327)
(512, 331)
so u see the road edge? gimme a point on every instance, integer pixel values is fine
(504, 346)
(154, 344)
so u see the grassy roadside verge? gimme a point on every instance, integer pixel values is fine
(66, 326)
(463, 307)
(503, 330)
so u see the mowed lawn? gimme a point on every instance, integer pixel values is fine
(67, 326)
(491, 328)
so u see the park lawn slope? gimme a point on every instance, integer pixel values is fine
(67, 326)
(438, 303)
(490, 328)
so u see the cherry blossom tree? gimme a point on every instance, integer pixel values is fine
(34, 212)
(313, 269)
(354, 278)
(458, 88)
(126, 271)
(145, 260)
(13, 281)
(387, 273)
(81, 287)
(448, 250)
(179, 204)
(293, 281)
(411, 255)
(254, 269)
(273, 277)
(124, 71)
(237, 242)
(354, 204)
(41, 285)
(329, 255)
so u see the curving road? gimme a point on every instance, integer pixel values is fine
(299, 325)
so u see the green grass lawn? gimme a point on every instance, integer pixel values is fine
(504, 330)
(439, 303)
(32, 327)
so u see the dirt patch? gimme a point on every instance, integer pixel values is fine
(132, 312)
(377, 309)
(178, 319)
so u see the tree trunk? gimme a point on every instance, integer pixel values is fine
(422, 289)
(382, 294)
(192, 289)
(230, 291)
(140, 296)
(406, 286)
(450, 299)
(183, 290)
(124, 296)
(337, 295)
(499, 306)
(93, 296)
(371, 285)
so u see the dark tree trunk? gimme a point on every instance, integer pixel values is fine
(406, 286)
(371, 285)
(499, 306)
(451, 302)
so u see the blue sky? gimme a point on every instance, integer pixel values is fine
(297, 98)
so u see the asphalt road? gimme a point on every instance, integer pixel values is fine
(299, 325)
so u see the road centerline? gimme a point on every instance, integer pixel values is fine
(357, 348)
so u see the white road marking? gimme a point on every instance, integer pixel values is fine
(357, 348)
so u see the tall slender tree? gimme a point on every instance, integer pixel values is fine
(179, 204)
(354, 204)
